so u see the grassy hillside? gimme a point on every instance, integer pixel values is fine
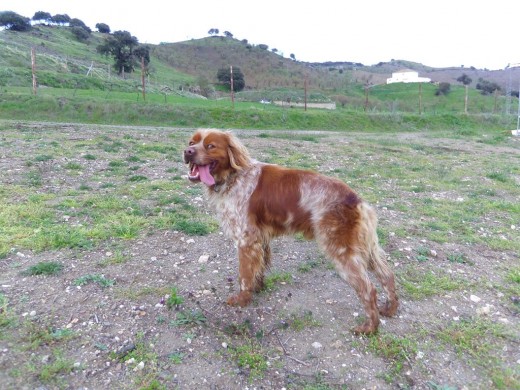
(78, 84)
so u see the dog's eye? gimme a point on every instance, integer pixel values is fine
(210, 146)
(191, 143)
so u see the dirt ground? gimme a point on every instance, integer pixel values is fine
(295, 335)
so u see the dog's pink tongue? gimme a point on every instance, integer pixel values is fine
(205, 176)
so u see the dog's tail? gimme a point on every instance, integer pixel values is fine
(376, 258)
(373, 253)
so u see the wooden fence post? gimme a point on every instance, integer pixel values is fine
(33, 64)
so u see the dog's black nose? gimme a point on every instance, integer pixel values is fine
(189, 153)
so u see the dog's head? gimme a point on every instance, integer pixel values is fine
(214, 155)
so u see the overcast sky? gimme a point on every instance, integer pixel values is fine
(438, 33)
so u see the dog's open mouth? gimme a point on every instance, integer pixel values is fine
(202, 173)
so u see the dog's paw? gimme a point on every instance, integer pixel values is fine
(366, 329)
(241, 299)
(389, 309)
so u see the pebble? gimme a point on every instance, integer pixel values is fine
(474, 298)
(317, 345)
(224, 345)
(130, 361)
(203, 259)
(139, 367)
(484, 311)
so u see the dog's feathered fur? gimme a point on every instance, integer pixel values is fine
(256, 202)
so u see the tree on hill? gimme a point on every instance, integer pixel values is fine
(213, 31)
(60, 19)
(224, 78)
(103, 28)
(293, 57)
(79, 23)
(41, 16)
(228, 34)
(487, 87)
(80, 30)
(122, 46)
(14, 22)
(443, 89)
(465, 80)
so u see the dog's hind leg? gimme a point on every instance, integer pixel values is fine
(251, 268)
(387, 279)
(352, 269)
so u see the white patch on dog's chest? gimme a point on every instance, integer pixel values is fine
(232, 203)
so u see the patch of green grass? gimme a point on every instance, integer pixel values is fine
(116, 164)
(89, 157)
(176, 357)
(458, 258)
(478, 339)
(34, 178)
(174, 299)
(137, 178)
(498, 176)
(250, 357)
(36, 334)
(308, 266)
(194, 226)
(43, 158)
(47, 268)
(398, 351)
(189, 318)
(244, 329)
(94, 278)
(59, 366)
(273, 279)
(422, 254)
(73, 166)
(420, 285)
(154, 384)
(299, 322)
(118, 257)
(7, 318)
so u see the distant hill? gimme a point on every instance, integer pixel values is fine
(63, 60)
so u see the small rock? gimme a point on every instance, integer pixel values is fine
(433, 253)
(203, 259)
(474, 298)
(484, 311)
(77, 364)
(317, 345)
(419, 355)
(224, 345)
(32, 313)
(139, 367)
(190, 241)
(45, 359)
(130, 361)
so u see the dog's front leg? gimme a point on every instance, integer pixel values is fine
(251, 265)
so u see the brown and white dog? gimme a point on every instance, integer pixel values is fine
(256, 202)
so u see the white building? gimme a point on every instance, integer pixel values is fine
(407, 76)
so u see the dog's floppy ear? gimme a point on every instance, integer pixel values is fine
(238, 154)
